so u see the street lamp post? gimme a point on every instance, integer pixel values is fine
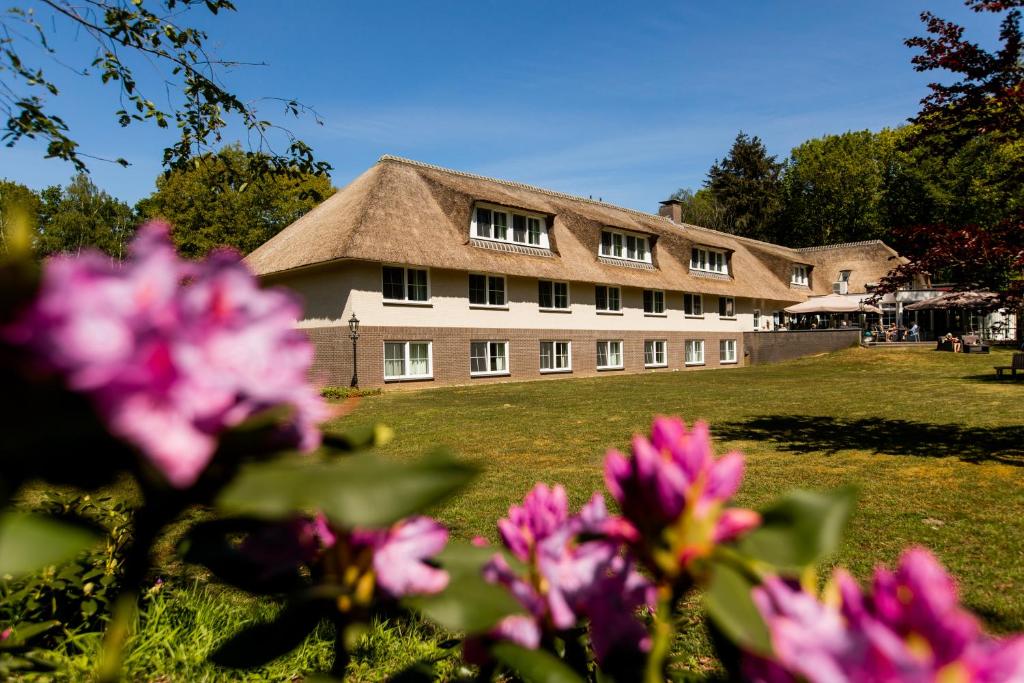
(353, 326)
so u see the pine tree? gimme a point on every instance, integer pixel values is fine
(747, 185)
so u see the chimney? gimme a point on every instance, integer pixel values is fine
(672, 209)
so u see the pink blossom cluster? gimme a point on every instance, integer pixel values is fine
(396, 560)
(171, 352)
(909, 628)
(574, 572)
(673, 494)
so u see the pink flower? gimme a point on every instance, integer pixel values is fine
(392, 562)
(575, 573)
(171, 352)
(401, 554)
(910, 628)
(673, 493)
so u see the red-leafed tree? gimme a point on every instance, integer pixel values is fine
(983, 106)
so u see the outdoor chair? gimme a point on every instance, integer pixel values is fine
(1016, 364)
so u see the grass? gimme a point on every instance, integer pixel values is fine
(934, 443)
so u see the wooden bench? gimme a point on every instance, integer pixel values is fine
(1016, 364)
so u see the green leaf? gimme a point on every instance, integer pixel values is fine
(534, 666)
(362, 490)
(24, 632)
(469, 603)
(257, 645)
(731, 607)
(30, 542)
(800, 529)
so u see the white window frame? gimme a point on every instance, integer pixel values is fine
(691, 297)
(554, 355)
(620, 245)
(405, 300)
(608, 298)
(405, 361)
(723, 346)
(487, 288)
(694, 344)
(544, 241)
(801, 275)
(489, 372)
(733, 305)
(654, 313)
(664, 353)
(554, 299)
(607, 354)
(703, 262)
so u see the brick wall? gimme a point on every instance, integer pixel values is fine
(332, 365)
(772, 347)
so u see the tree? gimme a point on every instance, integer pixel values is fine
(15, 199)
(81, 216)
(834, 186)
(121, 35)
(701, 208)
(979, 116)
(747, 184)
(225, 201)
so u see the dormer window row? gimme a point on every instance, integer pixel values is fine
(499, 224)
(709, 260)
(625, 245)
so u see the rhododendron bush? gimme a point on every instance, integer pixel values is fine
(191, 379)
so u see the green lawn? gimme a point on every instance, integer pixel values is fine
(934, 443)
(932, 440)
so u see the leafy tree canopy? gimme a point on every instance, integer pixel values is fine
(225, 201)
(121, 35)
(80, 216)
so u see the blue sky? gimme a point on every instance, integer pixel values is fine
(624, 101)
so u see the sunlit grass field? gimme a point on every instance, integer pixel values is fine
(933, 442)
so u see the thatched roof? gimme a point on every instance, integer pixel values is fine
(868, 262)
(407, 212)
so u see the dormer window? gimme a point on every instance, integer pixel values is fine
(801, 275)
(492, 223)
(625, 245)
(709, 260)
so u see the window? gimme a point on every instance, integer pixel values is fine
(844, 275)
(695, 352)
(727, 351)
(405, 284)
(708, 260)
(628, 246)
(555, 356)
(407, 360)
(654, 353)
(800, 275)
(486, 290)
(553, 295)
(608, 299)
(492, 223)
(609, 355)
(488, 358)
(757, 318)
(693, 305)
(654, 302)
(726, 307)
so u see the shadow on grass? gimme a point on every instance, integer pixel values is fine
(992, 378)
(810, 434)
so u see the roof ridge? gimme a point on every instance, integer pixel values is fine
(516, 184)
(862, 243)
(566, 195)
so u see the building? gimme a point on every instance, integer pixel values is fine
(458, 278)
